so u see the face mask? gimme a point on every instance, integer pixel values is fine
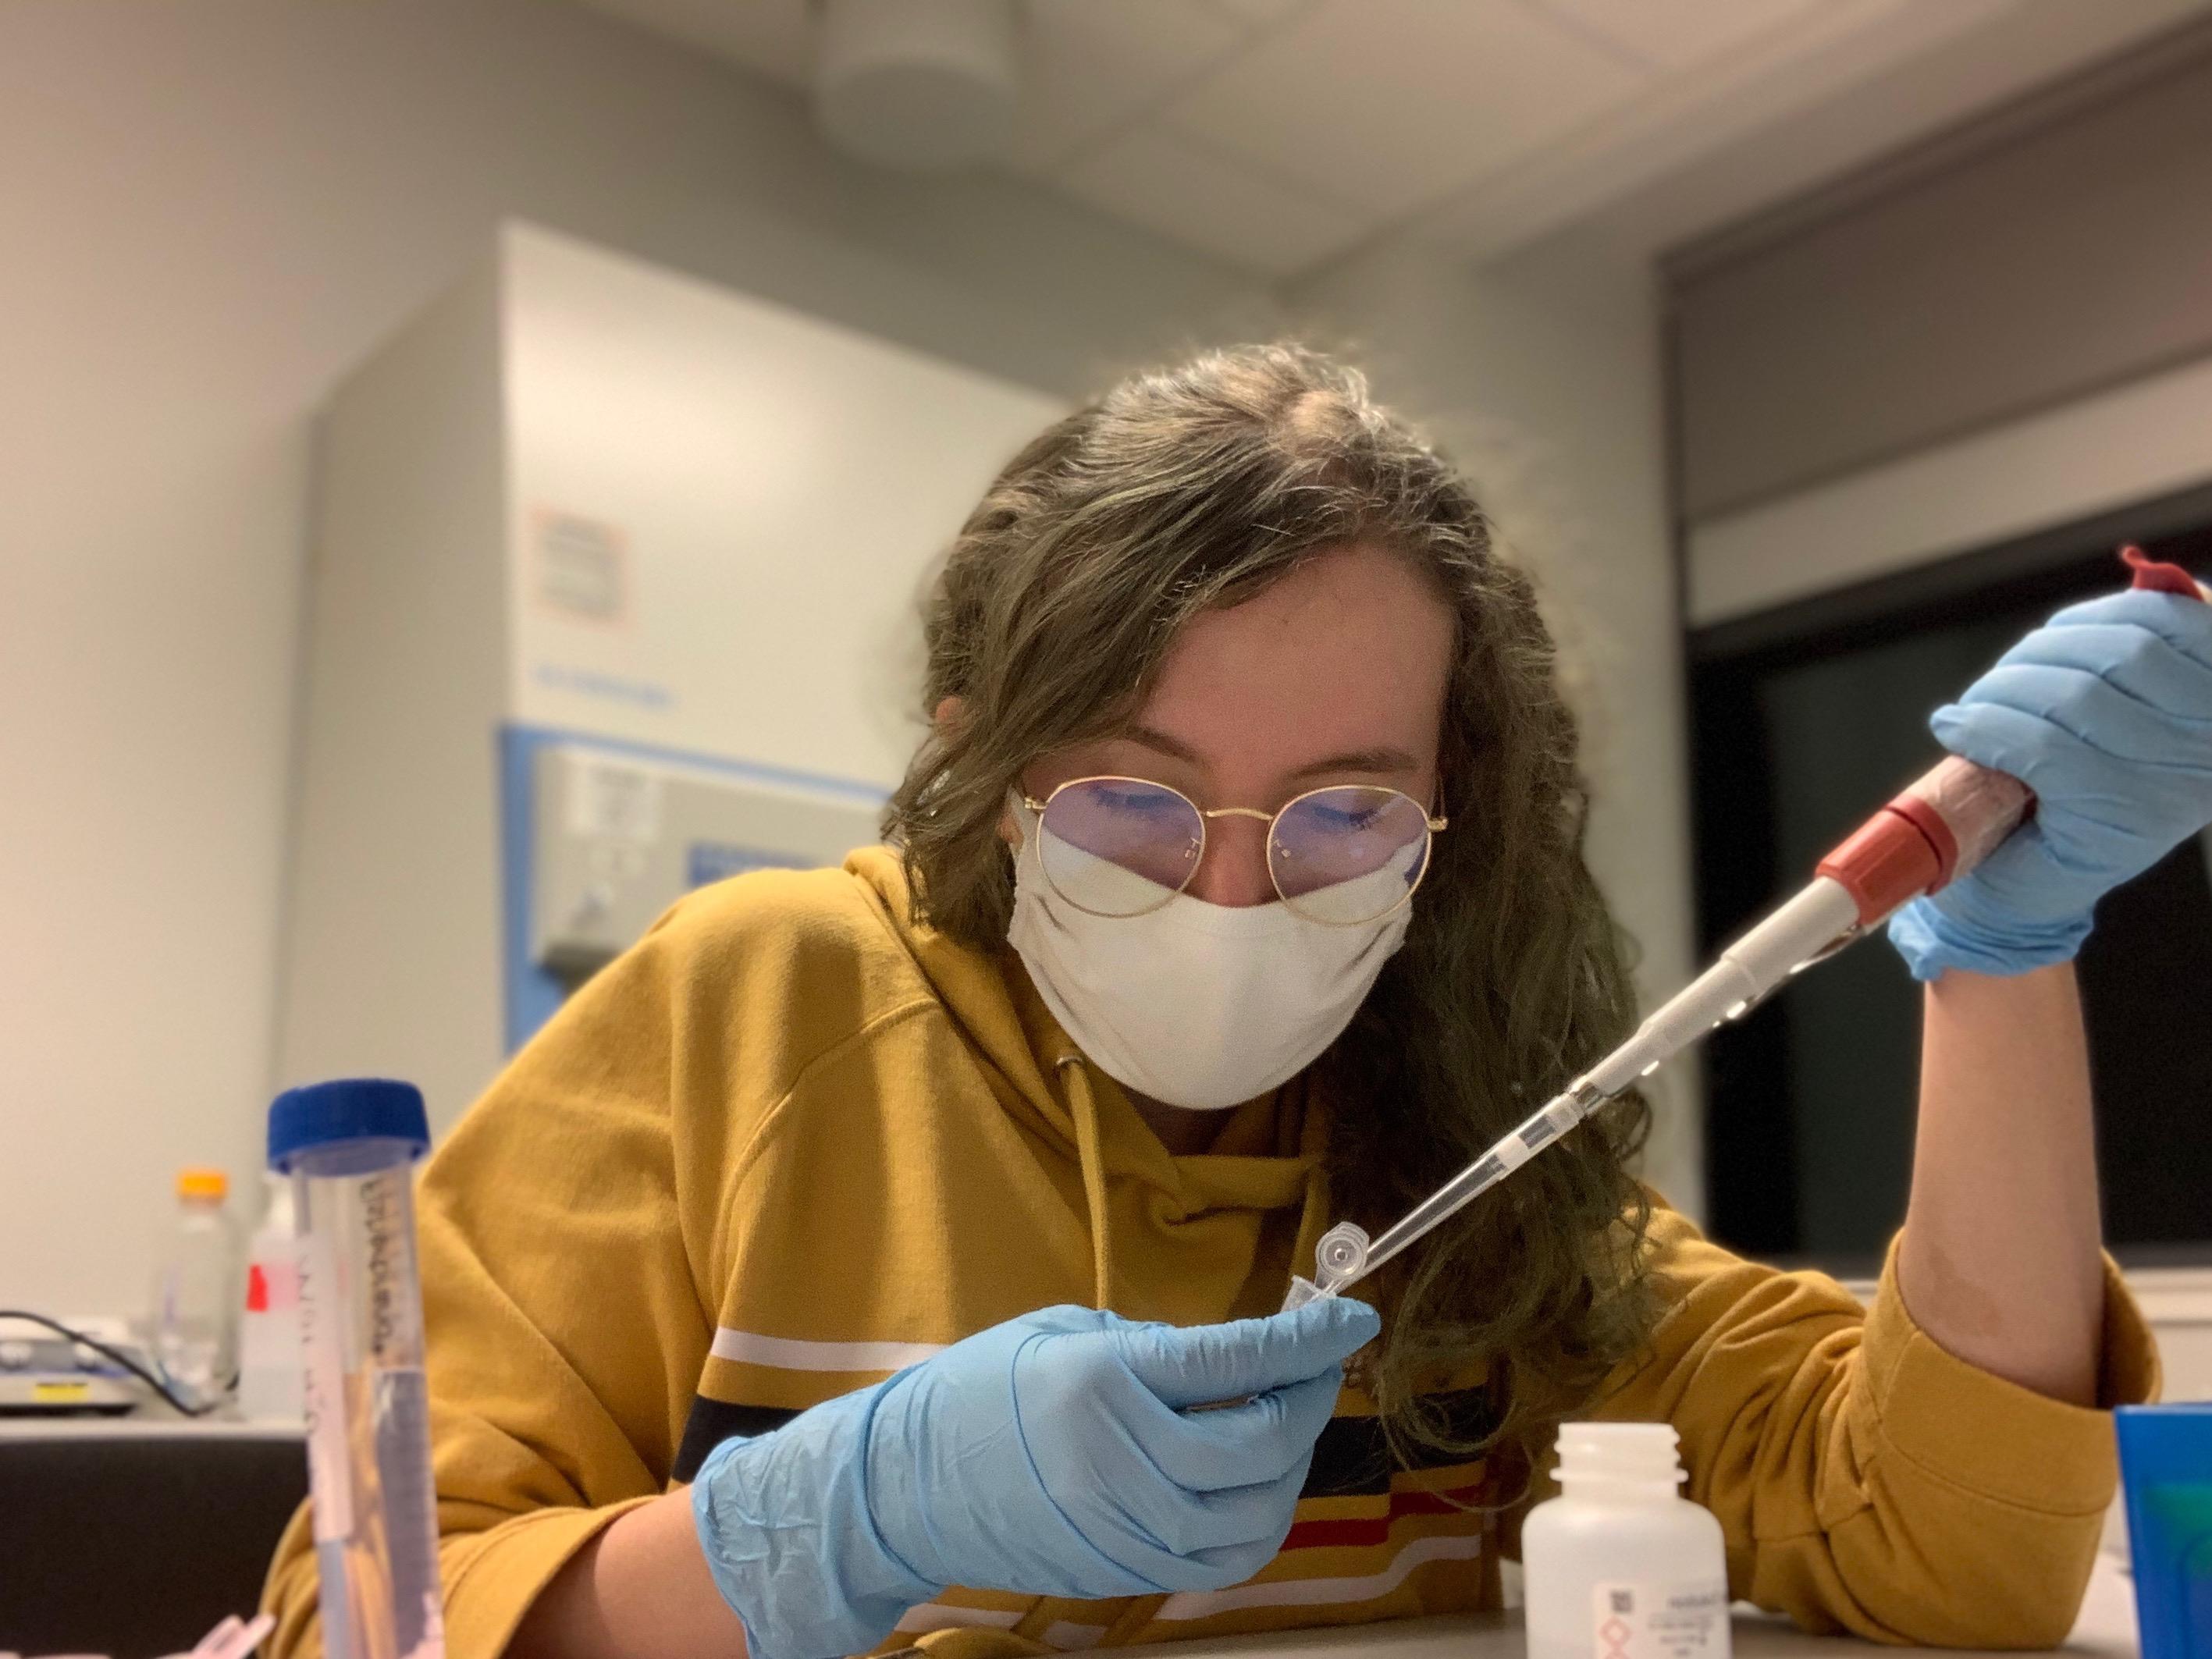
(1195, 1004)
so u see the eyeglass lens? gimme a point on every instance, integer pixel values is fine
(1348, 855)
(1123, 846)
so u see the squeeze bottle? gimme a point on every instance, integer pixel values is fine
(1620, 1565)
(350, 1148)
(268, 1335)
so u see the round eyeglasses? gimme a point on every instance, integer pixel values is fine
(1121, 846)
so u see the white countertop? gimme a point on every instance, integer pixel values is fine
(2106, 1630)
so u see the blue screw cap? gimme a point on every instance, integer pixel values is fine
(348, 1108)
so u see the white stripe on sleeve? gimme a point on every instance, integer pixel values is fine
(942, 1615)
(791, 1354)
(1309, 1592)
(1071, 1638)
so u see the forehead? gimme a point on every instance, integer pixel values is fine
(1350, 651)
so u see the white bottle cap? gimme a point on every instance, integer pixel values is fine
(1629, 1454)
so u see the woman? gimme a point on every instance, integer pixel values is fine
(907, 1211)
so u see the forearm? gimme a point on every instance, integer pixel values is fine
(1999, 1262)
(638, 1590)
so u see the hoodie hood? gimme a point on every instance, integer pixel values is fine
(1264, 1170)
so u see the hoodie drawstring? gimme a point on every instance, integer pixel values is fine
(1313, 1221)
(1083, 1105)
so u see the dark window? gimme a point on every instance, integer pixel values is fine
(1805, 720)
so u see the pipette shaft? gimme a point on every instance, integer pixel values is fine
(1954, 815)
(1824, 915)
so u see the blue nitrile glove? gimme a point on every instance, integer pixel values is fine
(2105, 712)
(1049, 1456)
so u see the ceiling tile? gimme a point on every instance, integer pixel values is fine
(1391, 103)
(1090, 68)
(774, 37)
(1211, 203)
(1675, 33)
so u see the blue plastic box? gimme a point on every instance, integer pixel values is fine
(2165, 1465)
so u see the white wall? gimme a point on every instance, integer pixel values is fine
(212, 208)
(1542, 375)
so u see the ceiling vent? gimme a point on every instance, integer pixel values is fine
(923, 85)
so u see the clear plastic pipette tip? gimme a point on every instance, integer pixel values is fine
(1345, 1254)
(1811, 926)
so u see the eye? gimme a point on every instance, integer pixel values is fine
(1344, 818)
(1153, 801)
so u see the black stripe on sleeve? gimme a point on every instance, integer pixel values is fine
(714, 1421)
(1352, 1458)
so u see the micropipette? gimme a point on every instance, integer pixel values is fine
(1940, 828)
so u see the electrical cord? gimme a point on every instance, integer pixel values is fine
(149, 1377)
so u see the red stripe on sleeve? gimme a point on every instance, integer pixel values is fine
(1376, 1530)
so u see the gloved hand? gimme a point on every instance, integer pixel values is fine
(2105, 712)
(1052, 1455)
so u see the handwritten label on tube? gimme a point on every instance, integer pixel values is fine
(329, 1458)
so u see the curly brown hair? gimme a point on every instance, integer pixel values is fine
(1192, 487)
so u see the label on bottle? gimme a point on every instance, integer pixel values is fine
(272, 1280)
(330, 1459)
(1660, 1621)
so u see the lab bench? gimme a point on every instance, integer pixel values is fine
(135, 1536)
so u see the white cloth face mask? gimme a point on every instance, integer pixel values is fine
(1195, 1004)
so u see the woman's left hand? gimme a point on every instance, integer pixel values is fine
(2105, 712)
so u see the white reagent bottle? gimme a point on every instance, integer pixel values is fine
(1620, 1565)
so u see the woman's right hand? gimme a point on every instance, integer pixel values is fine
(1053, 1455)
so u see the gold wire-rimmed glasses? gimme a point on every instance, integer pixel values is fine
(1343, 854)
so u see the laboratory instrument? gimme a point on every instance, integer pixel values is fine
(2166, 1468)
(1620, 1562)
(568, 647)
(77, 1367)
(349, 1148)
(194, 1322)
(1939, 829)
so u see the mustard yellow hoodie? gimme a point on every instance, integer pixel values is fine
(793, 1141)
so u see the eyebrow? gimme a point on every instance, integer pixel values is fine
(1361, 760)
(1381, 758)
(1174, 747)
